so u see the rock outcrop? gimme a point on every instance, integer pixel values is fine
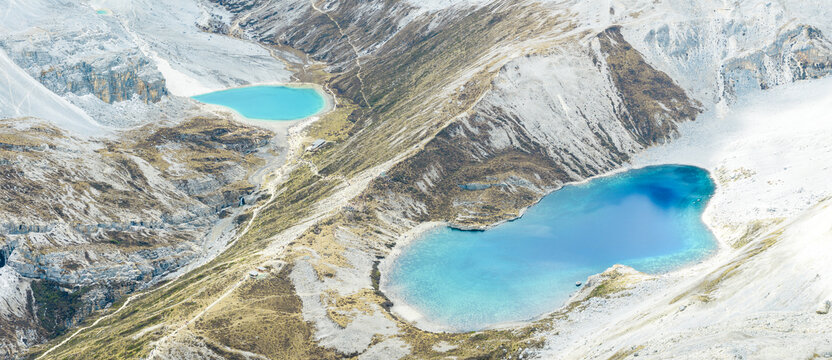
(112, 78)
(800, 53)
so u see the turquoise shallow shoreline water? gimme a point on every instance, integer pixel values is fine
(647, 218)
(268, 102)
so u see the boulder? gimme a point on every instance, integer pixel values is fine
(823, 307)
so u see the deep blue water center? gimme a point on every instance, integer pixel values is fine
(268, 102)
(647, 218)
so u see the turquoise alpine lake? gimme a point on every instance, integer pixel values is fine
(648, 218)
(268, 102)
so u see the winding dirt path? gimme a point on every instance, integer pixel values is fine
(354, 50)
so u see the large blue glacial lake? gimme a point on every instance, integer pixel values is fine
(647, 218)
(268, 102)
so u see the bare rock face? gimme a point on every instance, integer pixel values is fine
(797, 54)
(118, 77)
(120, 81)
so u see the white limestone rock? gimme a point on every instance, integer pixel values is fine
(823, 307)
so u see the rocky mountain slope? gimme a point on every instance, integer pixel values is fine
(93, 209)
(446, 112)
(103, 218)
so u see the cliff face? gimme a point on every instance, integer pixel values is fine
(119, 77)
(118, 83)
(800, 53)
